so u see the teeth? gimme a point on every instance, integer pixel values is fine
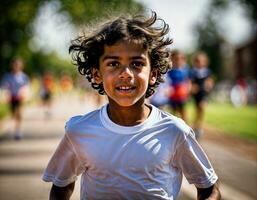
(125, 88)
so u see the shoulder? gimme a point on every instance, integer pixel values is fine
(174, 124)
(24, 76)
(82, 122)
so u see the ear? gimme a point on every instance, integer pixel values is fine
(96, 75)
(153, 76)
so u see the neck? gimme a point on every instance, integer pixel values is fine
(128, 116)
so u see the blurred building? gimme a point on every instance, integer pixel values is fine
(246, 68)
(246, 59)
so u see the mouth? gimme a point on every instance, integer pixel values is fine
(126, 88)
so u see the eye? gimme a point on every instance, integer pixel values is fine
(113, 64)
(137, 64)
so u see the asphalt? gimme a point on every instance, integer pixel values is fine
(22, 162)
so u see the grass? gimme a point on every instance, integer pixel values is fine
(240, 121)
(4, 110)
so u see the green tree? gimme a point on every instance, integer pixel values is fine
(211, 39)
(15, 30)
(83, 12)
(17, 17)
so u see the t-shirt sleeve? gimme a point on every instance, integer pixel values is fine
(64, 166)
(193, 162)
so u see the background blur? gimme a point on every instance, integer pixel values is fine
(40, 31)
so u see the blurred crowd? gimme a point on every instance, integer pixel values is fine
(182, 83)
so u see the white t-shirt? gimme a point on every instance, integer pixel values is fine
(145, 161)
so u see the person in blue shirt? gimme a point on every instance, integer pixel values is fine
(202, 84)
(179, 83)
(16, 83)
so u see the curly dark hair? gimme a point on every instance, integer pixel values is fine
(87, 49)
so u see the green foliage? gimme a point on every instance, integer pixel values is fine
(17, 17)
(83, 11)
(210, 41)
(210, 36)
(51, 62)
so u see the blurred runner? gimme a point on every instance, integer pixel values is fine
(179, 83)
(46, 92)
(66, 83)
(161, 97)
(16, 83)
(202, 84)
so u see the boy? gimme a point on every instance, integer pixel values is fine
(16, 83)
(202, 83)
(127, 149)
(179, 83)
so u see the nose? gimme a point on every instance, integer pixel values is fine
(126, 72)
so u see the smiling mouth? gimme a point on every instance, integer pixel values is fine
(125, 88)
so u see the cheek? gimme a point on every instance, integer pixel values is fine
(108, 81)
(144, 78)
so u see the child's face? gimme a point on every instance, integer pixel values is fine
(17, 66)
(200, 61)
(125, 73)
(178, 60)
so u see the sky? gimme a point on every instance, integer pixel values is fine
(53, 32)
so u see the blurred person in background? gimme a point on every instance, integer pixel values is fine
(66, 83)
(179, 83)
(17, 85)
(46, 92)
(161, 97)
(202, 83)
(87, 93)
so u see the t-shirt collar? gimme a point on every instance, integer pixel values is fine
(109, 124)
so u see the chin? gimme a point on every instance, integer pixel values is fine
(126, 102)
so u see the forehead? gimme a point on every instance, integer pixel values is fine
(178, 56)
(17, 63)
(122, 48)
(200, 57)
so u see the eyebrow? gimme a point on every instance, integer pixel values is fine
(111, 57)
(117, 57)
(138, 57)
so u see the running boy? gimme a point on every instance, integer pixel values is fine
(16, 83)
(127, 149)
(202, 84)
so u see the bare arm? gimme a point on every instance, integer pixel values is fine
(61, 193)
(211, 193)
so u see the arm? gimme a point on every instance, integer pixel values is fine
(208, 84)
(61, 193)
(211, 193)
